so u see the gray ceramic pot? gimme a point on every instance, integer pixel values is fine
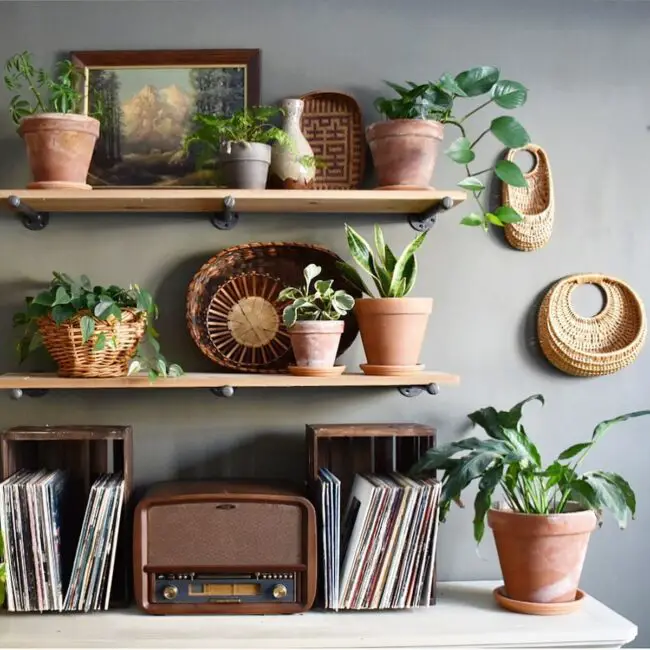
(245, 165)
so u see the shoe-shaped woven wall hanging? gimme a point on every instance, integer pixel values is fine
(598, 345)
(534, 203)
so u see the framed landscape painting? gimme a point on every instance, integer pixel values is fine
(145, 101)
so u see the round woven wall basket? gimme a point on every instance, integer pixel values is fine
(534, 203)
(232, 309)
(600, 345)
(75, 358)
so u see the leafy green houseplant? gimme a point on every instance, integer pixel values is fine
(240, 144)
(94, 331)
(47, 109)
(313, 319)
(392, 325)
(415, 126)
(543, 529)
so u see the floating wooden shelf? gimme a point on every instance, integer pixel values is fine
(224, 383)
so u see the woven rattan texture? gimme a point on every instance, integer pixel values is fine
(333, 125)
(75, 358)
(600, 345)
(535, 203)
(232, 313)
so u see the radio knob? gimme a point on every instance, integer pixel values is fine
(279, 591)
(170, 592)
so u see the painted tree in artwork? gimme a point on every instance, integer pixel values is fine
(106, 98)
(218, 91)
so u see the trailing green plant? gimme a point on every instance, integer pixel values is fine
(393, 276)
(3, 573)
(436, 101)
(510, 460)
(67, 298)
(39, 92)
(324, 303)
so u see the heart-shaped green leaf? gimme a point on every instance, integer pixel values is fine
(509, 94)
(87, 328)
(472, 184)
(509, 131)
(493, 219)
(477, 80)
(460, 151)
(510, 173)
(507, 214)
(472, 220)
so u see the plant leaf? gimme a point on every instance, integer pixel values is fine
(510, 173)
(410, 274)
(608, 496)
(398, 273)
(353, 277)
(449, 85)
(472, 184)
(506, 214)
(509, 131)
(311, 271)
(509, 94)
(103, 307)
(467, 470)
(100, 342)
(174, 370)
(574, 450)
(87, 328)
(85, 283)
(623, 486)
(62, 297)
(44, 298)
(360, 251)
(134, 367)
(343, 299)
(323, 286)
(289, 316)
(472, 219)
(602, 428)
(477, 81)
(460, 151)
(493, 219)
(483, 500)
(36, 342)
(380, 244)
(61, 313)
(390, 259)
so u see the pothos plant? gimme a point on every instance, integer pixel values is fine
(509, 459)
(39, 92)
(394, 277)
(324, 303)
(437, 101)
(67, 298)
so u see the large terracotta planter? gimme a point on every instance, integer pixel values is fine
(316, 342)
(404, 152)
(392, 329)
(59, 149)
(541, 556)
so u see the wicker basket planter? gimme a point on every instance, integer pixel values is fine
(65, 344)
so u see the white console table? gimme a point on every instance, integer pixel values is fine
(465, 616)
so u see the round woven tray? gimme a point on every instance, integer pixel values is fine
(75, 358)
(232, 313)
(600, 345)
(534, 203)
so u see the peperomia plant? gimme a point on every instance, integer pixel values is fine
(393, 276)
(67, 298)
(509, 459)
(324, 303)
(436, 101)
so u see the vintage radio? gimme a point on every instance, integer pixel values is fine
(231, 547)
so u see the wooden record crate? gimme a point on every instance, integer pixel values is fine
(84, 452)
(349, 449)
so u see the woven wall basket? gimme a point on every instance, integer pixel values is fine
(600, 345)
(534, 203)
(77, 359)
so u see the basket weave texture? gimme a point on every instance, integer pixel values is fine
(65, 344)
(600, 345)
(534, 203)
(232, 310)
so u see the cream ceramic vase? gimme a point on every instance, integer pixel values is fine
(292, 168)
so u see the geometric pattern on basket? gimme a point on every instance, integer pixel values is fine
(231, 311)
(333, 126)
(597, 345)
(75, 358)
(534, 203)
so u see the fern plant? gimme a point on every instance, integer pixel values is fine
(510, 460)
(394, 277)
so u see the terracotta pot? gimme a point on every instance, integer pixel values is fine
(245, 165)
(404, 152)
(393, 329)
(316, 342)
(541, 556)
(59, 149)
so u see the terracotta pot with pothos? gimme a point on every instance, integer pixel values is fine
(313, 320)
(542, 528)
(392, 326)
(59, 141)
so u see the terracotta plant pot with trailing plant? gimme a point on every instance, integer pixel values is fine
(238, 147)
(59, 141)
(393, 325)
(314, 323)
(543, 527)
(405, 145)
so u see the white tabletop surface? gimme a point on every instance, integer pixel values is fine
(465, 616)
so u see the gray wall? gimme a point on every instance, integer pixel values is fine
(585, 63)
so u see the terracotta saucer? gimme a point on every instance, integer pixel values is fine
(391, 371)
(538, 609)
(303, 371)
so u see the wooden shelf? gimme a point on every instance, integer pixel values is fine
(211, 200)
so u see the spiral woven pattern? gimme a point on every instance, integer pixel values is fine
(600, 345)
(75, 358)
(534, 203)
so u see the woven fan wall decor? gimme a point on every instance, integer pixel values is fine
(534, 203)
(232, 313)
(600, 345)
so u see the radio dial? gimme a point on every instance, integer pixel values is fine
(279, 591)
(170, 592)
